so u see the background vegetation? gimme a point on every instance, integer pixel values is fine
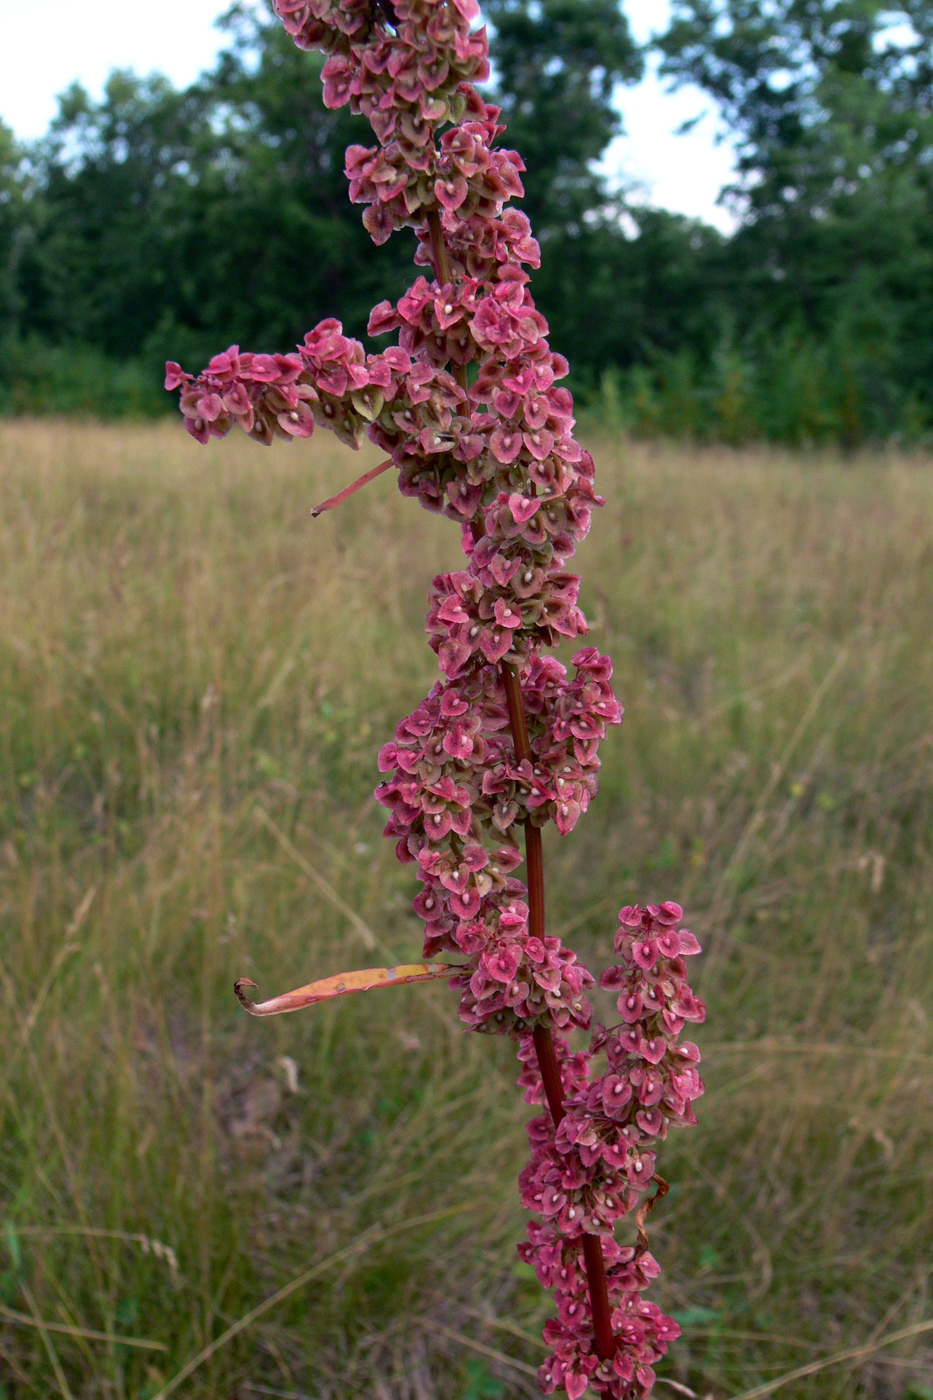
(161, 224)
(194, 680)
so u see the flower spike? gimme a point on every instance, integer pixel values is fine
(468, 408)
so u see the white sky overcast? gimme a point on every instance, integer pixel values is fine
(46, 48)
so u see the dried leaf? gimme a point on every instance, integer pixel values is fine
(644, 1210)
(367, 979)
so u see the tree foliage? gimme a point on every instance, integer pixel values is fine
(156, 224)
(12, 222)
(830, 103)
(557, 65)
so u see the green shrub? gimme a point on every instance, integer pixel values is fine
(38, 379)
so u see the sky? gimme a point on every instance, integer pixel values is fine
(85, 41)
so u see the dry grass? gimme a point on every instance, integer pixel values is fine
(183, 649)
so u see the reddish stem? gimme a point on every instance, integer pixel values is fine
(513, 698)
(534, 857)
(550, 1071)
(534, 860)
(438, 249)
(599, 1297)
(543, 1039)
(354, 486)
(442, 273)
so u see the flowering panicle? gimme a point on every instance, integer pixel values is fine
(591, 1170)
(457, 789)
(468, 407)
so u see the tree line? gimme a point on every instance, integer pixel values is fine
(157, 223)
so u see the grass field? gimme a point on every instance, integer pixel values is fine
(194, 680)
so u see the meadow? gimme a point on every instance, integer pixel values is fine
(195, 677)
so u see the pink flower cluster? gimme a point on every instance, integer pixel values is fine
(330, 380)
(468, 407)
(457, 795)
(590, 1172)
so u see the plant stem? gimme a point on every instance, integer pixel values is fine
(442, 273)
(599, 1297)
(543, 1039)
(534, 861)
(347, 491)
(438, 248)
(550, 1071)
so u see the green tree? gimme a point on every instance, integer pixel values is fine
(107, 174)
(821, 97)
(556, 65)
(14, 186)
(168, 224)
(613, 291)
(830, 103)
(266, 240)
(172, 222)
(619, 297)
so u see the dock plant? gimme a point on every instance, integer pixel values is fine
(468, 408)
